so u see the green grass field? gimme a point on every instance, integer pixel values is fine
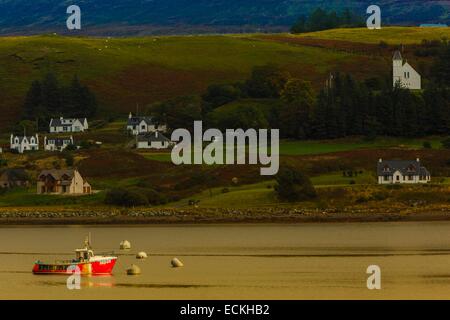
(348, 144)
(22, 197)
(316, 147)
(391, 35)
(126, 71)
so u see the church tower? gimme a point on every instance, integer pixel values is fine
(397, 64)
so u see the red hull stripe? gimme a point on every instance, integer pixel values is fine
(104, 266)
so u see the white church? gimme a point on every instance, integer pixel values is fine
(404, 74)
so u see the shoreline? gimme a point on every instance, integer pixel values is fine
(114, 216)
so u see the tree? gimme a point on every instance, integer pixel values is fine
(33, 101)
(266, 82)
(441, 67)
(47, 99)
(241, 115)
(219, 94)
(51, 95)
(293, 185)
(320, 19)
(300, 25)
(125, 198)
(180, 112)
(296, 111)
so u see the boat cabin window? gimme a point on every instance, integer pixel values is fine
(84, 254)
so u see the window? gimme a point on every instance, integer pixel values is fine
(386, 178)
(410, 178)
(398, 178)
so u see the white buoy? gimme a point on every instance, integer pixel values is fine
(134, 270)
(176, 263)
(141, 255)
(125, 245)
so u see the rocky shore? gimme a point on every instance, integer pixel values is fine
(59, 216)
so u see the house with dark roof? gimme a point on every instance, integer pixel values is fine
(138, 125)
(62, 181)
(402, 171)
(153, 140)
(62, 125)
(24, 143)
(57, 144)
(15, 177)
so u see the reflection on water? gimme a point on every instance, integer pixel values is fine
(308, 261)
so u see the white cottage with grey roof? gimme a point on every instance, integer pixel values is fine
(139, 125)
(402, 171)
(153, 140)
(24, 143)
(62, 125)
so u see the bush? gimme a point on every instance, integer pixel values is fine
(292, 185)
(125, 198)
(225, 190)
(68, 157)
(71, 147)
(362, 199)
(427, 145)
(154, 197)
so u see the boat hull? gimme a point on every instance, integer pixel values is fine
(101, 266)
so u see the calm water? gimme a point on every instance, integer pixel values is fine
(308, 261)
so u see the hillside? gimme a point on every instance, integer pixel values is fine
(124, 72)
(138, 17)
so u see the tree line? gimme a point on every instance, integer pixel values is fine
(272, 98)
(47, 99)
(321, 19)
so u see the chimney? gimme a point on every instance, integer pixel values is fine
(156, 134)
(130, 116)
(380, 160)
(418, 159)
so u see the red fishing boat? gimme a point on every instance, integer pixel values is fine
(85, 260)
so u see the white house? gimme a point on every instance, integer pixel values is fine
(402, 171)
(24, 143)
(57, 144)
(153, 140)
(62, 125)
(404, 74)
(137, 125)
